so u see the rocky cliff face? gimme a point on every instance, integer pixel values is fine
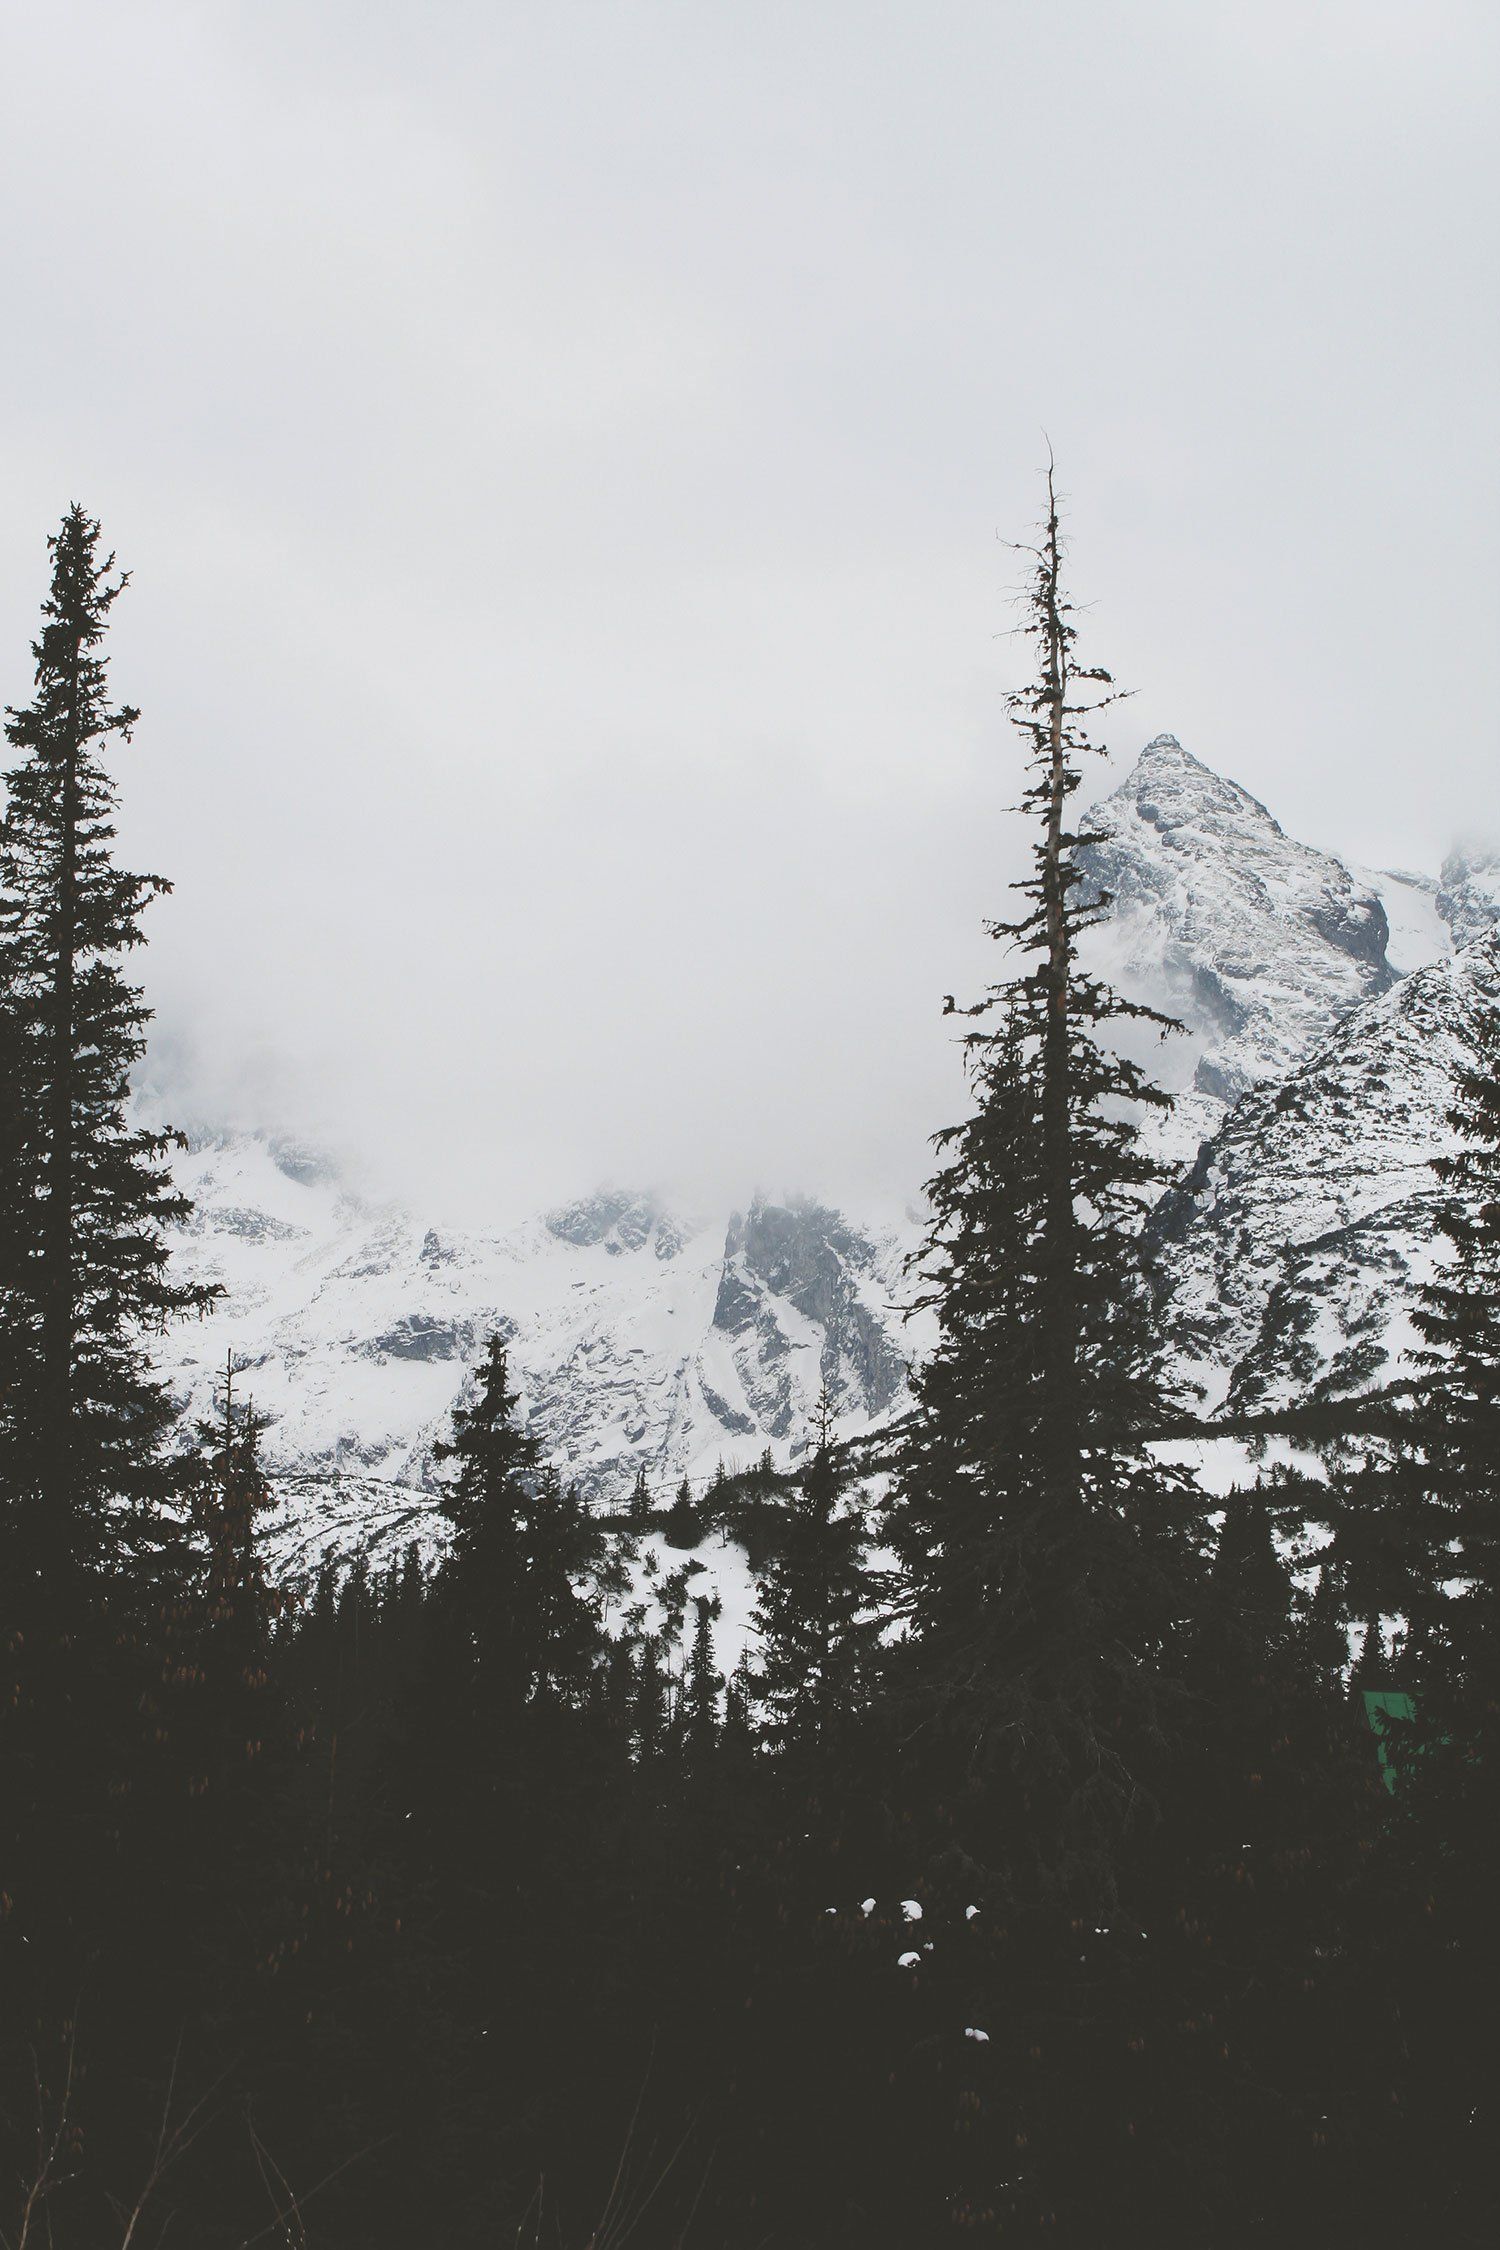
(804, 1301)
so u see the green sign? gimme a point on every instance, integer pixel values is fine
(1381, 1706)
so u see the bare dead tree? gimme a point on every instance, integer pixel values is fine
(172, 2143)
(59, 2141)
(56, 2143)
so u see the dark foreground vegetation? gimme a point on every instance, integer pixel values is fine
(1036, 1878)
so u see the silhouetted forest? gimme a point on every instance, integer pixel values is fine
(1038, 1875)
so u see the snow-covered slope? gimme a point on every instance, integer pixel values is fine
(1288, 1255)
(640, 1339)
(1468, 895)
(1259, 945)
(1418, 933)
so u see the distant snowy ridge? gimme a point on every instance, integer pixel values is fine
(642, 1340)
(1325, 1020)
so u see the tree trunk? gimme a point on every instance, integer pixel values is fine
(1060, 1311)
(58, 1290)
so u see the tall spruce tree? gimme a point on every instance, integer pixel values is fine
(816, 1615)
(522, 1580)
(1458, 1429)
(1049, 1553)
(1443, 1843)
(701, 1683)
(1414, 1510)
(85, 1418)
(241, 1605)
(1108, 1717)
(16, 1219)
(1056, 1567)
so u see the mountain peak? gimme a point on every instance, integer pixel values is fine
(1165, 749)
(1173, 789)
(1258, 944)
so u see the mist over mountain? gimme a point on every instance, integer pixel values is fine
(1468, 894)
(1325, 1008)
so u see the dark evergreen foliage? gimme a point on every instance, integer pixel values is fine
(85, 1419)
(1438, 1514)
(701, 1686)
(817, 1619)
(1046, 1887)
(1458, 1426)
(1051, 1557)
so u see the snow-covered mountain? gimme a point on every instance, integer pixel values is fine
(1326, 1010)
(641, 1339)
(1257, 944)
(1288, 1253)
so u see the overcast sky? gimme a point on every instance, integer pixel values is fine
(562, 452)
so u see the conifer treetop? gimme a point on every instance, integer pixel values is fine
(89, 1418)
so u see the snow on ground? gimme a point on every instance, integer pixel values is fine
(1418, 933)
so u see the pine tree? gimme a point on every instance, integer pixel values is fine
(86, 1418)
(1372, 1670)
(488, 1505)
(1441, 1843)
(523, 1586)
(96, 1566)
(570, 1559)
(682, 1526)
(1055, 1565)
(739, 1731)
(651, 1715)
(1458, 1424)
(1049, 1554)
(1413, 1511)
(211, 1847)
(234, 1493)
(495, 1456)
(17, 1359)
(815, 1615)
(701, 1684)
